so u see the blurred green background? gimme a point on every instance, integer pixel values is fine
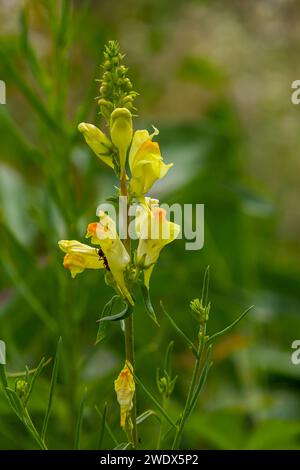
(215, 78)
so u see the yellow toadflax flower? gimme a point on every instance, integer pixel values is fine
(146, 163)
(104, 233)
(80, 256)
(125, 389)
(98, 142)
(154, 232)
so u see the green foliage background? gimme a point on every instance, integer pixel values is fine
(215, 78)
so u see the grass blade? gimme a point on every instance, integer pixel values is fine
(102, 428)
(52, 389)
(79, 421)
(108, 428)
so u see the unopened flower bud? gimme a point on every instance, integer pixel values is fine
(21, 387)
(97, 141)
(121, 133)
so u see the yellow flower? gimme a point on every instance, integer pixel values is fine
(121, 133)
(80, 256)
(98, 142)
(104, 233)
(154, 232)
(146, 163)
(125, 389)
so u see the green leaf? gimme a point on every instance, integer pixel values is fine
(33, 380)
(228, 328)
(108, 428)
(142, 417)
(127, 310)
(161, 409)
(79, 421)
(106, 311)
(52, 389)
(28, 372)
(102, 427)
(15, 402)
(148, 305)
(122, 446)
(168, 359)
(205, 287)
(179, 331)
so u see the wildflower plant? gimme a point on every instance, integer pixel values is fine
(135, 158)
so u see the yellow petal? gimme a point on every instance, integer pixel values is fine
(154, 232)
(80, 256)
(104, 233)
(146, 164)
(139, 138)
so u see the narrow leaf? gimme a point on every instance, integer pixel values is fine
(102, 428)
(122, 446)
(127, 310)
(107, 309)
(27, 372)
(205, 287)
(148, 305)
(228, 328)
(79, 421)
(52, 389)
(161, 409)
(15, 402)
(33, 380)
(168, 359)
(142, 417)
(179, 331)
(108, 428)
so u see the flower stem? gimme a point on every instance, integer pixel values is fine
(193, 383)
(129, 326)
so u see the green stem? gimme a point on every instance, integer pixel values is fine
(193, 383)
(129, 328)
(161, 427)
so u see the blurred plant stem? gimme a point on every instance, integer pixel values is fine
(191, 390)
(161, 427)
(129, 326)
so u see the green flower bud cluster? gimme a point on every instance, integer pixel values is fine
(201, 311)
(21, 387)
(165, 383)
(116, 89)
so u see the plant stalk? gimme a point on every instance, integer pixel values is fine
(129, 326)
(196, 370)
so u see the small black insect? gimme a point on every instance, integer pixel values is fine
(103, 258)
